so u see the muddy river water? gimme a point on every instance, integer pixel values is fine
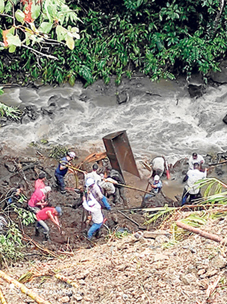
(160, 118)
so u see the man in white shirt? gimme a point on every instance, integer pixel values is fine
(93, 174)
(196, 158)
(94, 208)
(158, 166)
(192, 189)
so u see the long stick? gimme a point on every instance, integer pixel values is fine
(23, 288)
(128, 218)
(130, 187)
(204, 234)
(216, 164)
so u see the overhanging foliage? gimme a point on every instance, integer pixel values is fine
(158, 38)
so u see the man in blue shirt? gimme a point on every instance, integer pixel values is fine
(156, 187)
(62, 169)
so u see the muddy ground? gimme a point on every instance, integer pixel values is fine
(134, 269)
(15, 169)
(25, 169)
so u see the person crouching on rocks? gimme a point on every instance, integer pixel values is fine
(156, 187)
(91, 205)
(45, 214)
(38, 199)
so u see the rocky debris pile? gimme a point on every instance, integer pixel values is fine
(148, 267)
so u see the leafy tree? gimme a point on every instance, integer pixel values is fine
(27, 23)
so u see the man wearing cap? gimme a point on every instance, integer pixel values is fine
(90, 204)
(62, 169)
(196, 158)
(38, 199)
(119, 190)
(96, 192)
(45, 214)
(156, 187)
(192, 189)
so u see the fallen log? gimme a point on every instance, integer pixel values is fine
(23, 288)
(2, 299)
(204, 234)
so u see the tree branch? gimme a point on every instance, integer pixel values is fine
(39, 53)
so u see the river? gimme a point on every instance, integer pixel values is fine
(160, 118)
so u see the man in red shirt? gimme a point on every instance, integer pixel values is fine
(45, 214)
(37, 200)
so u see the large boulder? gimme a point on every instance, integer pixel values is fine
(220, 77)
(196, 86)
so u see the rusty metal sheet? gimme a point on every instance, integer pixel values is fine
(120, 153)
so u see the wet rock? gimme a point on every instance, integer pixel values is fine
(196, 86)
(53, 99)
(83, 97)
(122, 97)
(195, 90)
(3, 121)
(49, 110)
(220, 77)
(225, 119)
(30, 112)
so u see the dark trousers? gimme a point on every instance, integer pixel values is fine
(191, 197)
(60, 181)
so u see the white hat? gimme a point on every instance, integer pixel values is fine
(90, 181)
(71, 154)
(156, 178)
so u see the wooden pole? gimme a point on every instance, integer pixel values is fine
(204, 234)
(23, 288)
(2, 299)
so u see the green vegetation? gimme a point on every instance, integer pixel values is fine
(11, 242)
(161, 39)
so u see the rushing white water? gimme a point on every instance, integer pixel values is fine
(160, 119)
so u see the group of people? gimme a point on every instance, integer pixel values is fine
(99, 187)
(39, 205)
(195, 173)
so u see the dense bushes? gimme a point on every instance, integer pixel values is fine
(158, 38)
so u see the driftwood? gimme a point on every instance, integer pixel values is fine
(66, 280)
(23, 288)
(154, 234)
(2, 299)
(45, 250)
(204, 234)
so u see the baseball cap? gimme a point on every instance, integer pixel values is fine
(59, 210)
(72, 154)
